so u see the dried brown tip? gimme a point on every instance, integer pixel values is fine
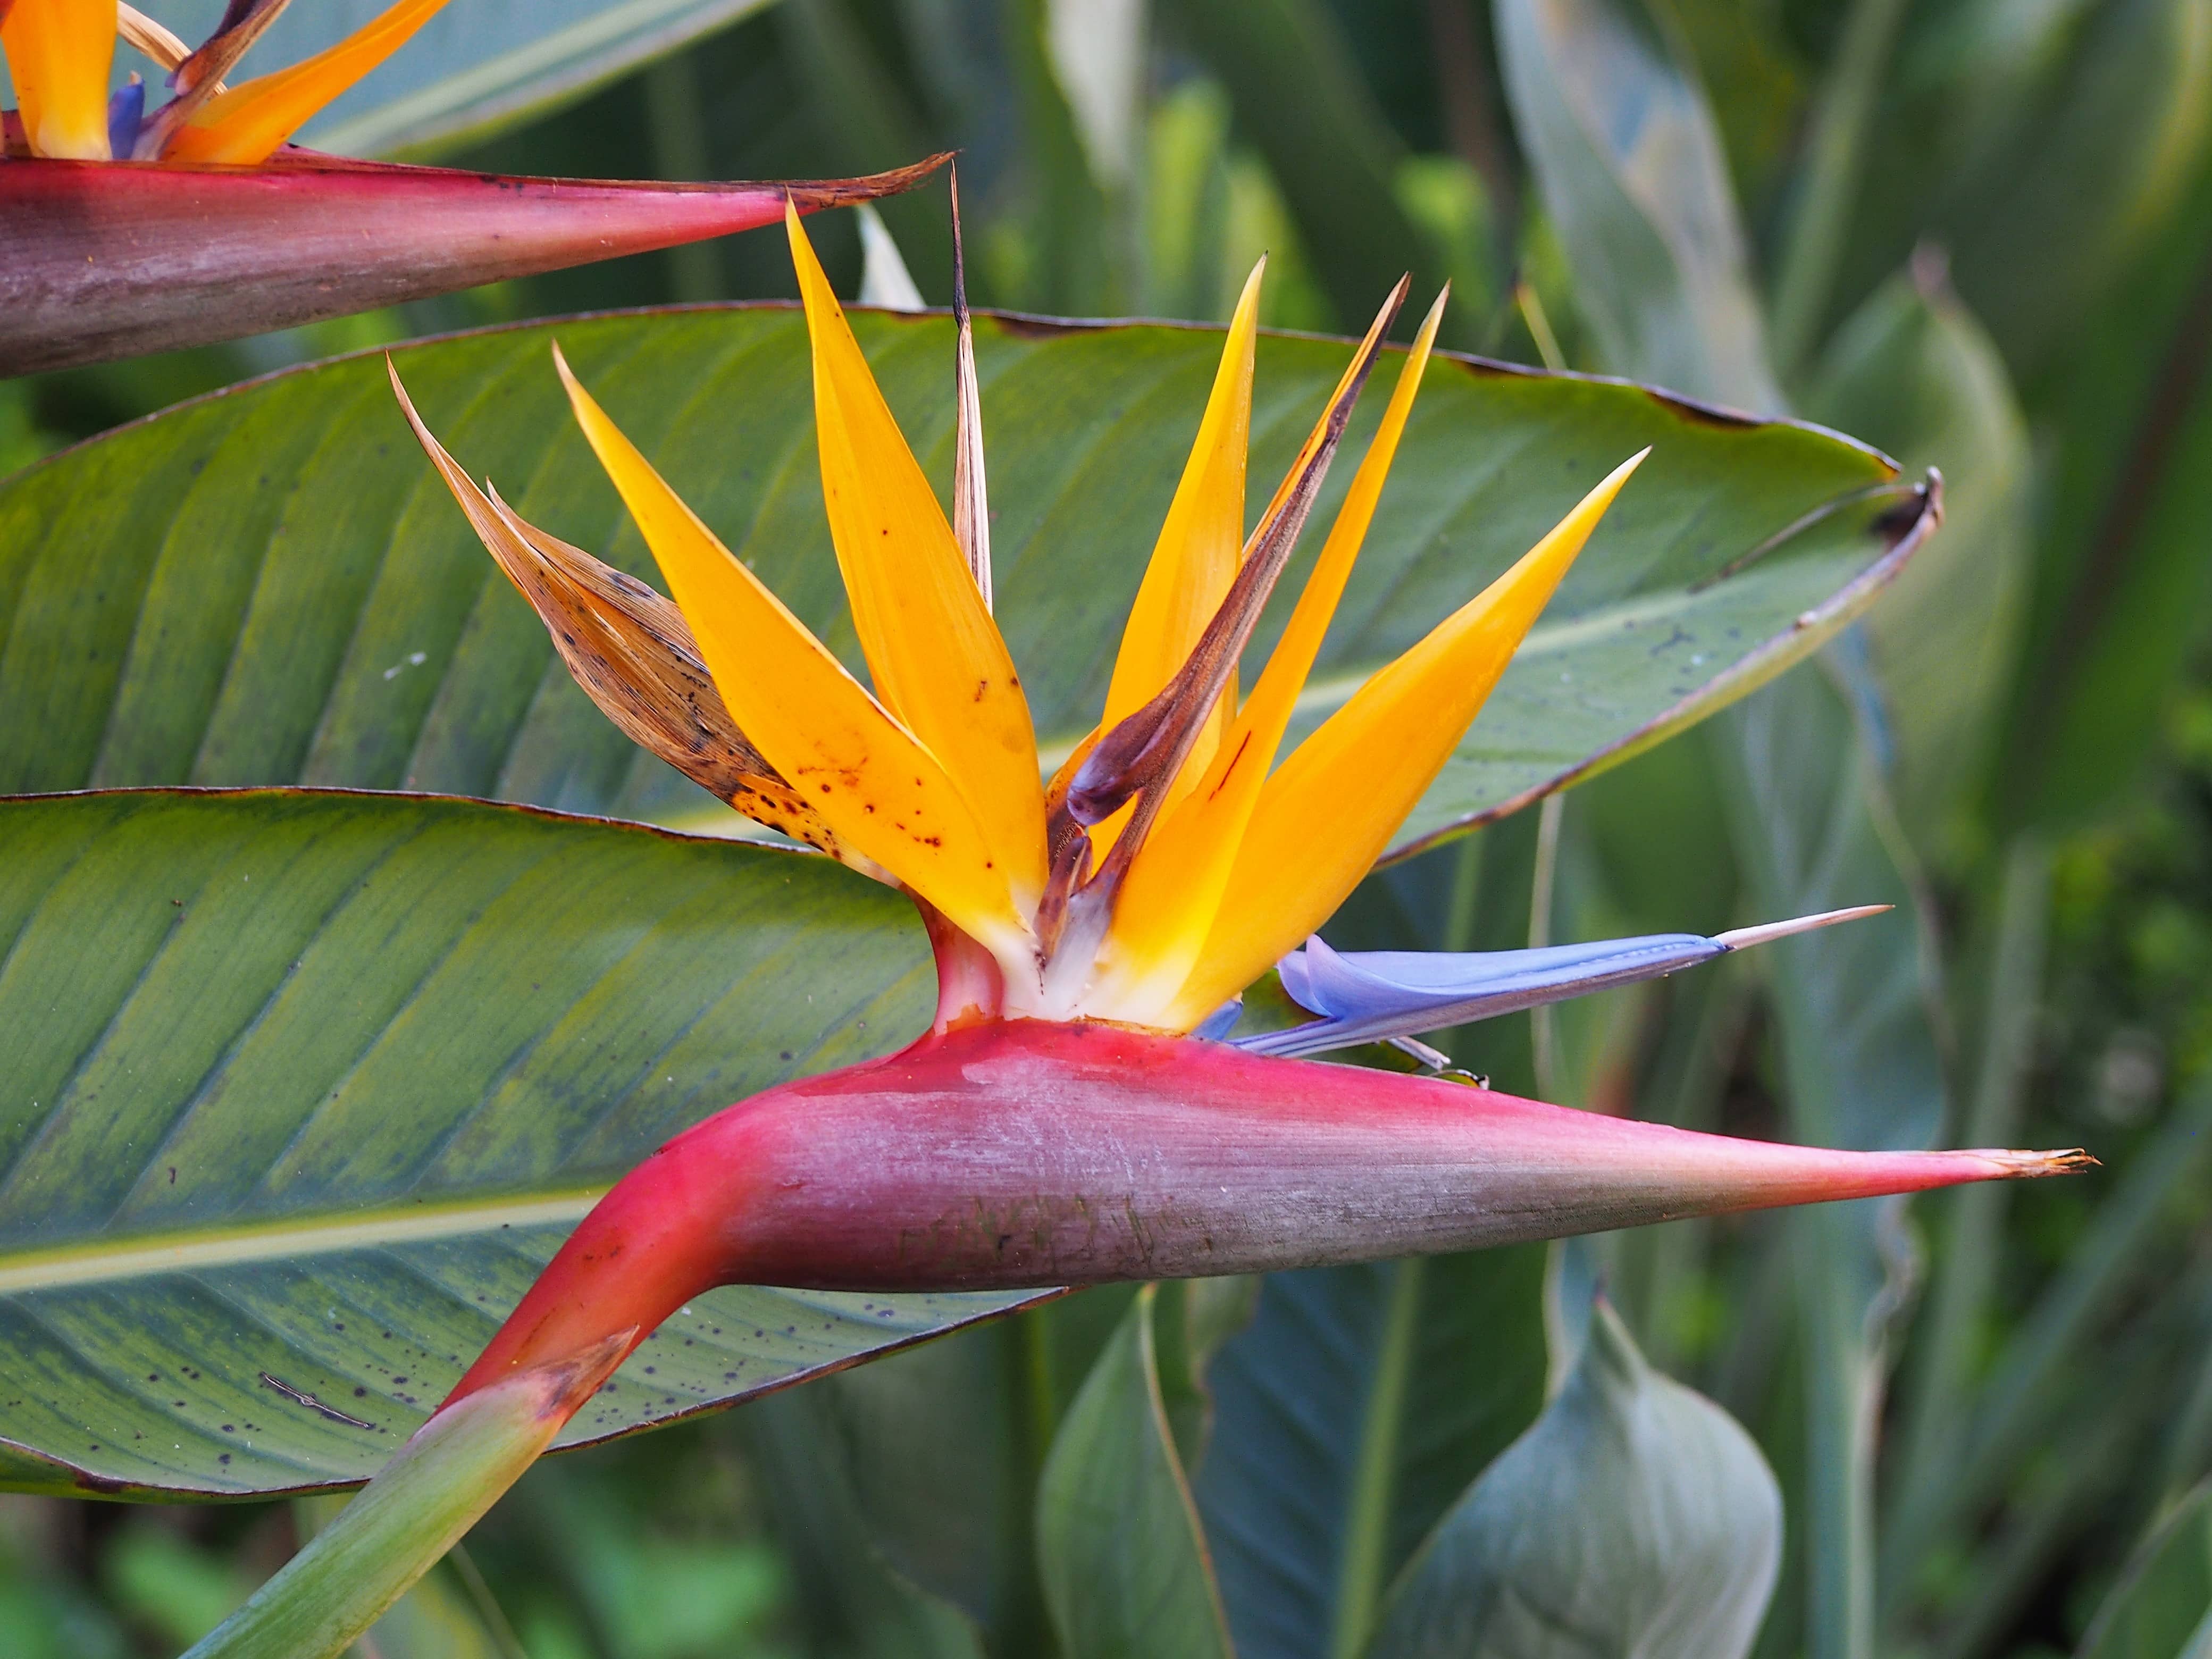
(632, 654)
(843, 192)
(2032, 1165)
(158, 41)
(200, 76)
(569, 1383)
(1149, 747)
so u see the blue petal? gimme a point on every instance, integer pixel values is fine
(126, 110)
(1371, 996)
(1368, 996)
(1217, 1026)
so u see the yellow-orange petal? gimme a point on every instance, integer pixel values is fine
(876, 784)
(59, 53)
(631, 653)
(938, 659)
(1329, 811)
(1197, 554)
(246, 124)
(1166, 908)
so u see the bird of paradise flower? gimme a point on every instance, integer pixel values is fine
(1061, 1122)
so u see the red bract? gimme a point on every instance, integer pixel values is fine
(1027, 1152)
(106, 259)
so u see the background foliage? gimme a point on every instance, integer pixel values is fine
(1977, 232)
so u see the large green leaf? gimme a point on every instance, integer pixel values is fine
(1914, 368)
(1351, 1413)
(270, 585)
(2121, 578)
(477, 66)
(1629, 161)
(1119, 1545)
(303, 1089)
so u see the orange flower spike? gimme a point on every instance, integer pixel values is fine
(1165, 911)
(59, 54)
(939, 661)
(248, 124)
(1196, 557)
(1328, 813)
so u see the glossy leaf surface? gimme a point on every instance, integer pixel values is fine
(270, 585)
(312, 1087)
(1350, 1415)
(1120, 1549)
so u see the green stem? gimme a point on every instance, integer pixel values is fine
(1843, 1387)
(1828, 191)
(453, 1469)
(488, 1609)
(1539, 327)
(1463, 900)
(1543, 1027)
(1363, 1565)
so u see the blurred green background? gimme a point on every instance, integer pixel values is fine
(1975, 232)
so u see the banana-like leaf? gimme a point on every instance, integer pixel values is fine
(2121, 577)
(1351, 1413)
(309, 1087)
(271, 585)
(1628, 159)
(1913, 366)
(1120, 1549)
(476, 67)
(1635, 1517)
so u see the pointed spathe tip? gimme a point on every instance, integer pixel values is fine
(1737, 939)
(2073, 1160)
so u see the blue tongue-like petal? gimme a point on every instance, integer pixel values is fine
(126, 113)
(1371, 996)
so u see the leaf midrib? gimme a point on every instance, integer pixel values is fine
(109, 1260)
